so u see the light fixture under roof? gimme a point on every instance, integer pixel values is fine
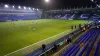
(6, 6)
(47, 1)
(13, 6)
(19, 7)
(24, 7)
(92, 0)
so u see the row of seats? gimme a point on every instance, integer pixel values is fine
(84, 44)
(97, 49)
(74, 16)
(63, 16)
(91, 46)
(14, 18)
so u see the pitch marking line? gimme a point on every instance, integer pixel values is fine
(35, 43)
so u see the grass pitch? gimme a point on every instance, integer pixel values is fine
(18, 34)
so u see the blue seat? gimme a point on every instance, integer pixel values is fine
(89, 50)
(88, 34)
(68, 50)
(71, 51)
(97, 49)
(94, 39)
(18, 17)
(76, 51)
(82, 38)
(84, 48)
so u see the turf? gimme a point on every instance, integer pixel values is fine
(18, 34)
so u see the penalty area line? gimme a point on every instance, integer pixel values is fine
(36, 43)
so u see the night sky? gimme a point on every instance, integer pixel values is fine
(54, 4)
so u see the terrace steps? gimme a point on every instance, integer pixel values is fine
(87, 45)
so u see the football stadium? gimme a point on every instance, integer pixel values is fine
(44, 31)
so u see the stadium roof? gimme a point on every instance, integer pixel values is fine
(54, 4)
(7, 7)
(77, 10)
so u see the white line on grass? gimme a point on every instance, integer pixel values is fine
(33, 44)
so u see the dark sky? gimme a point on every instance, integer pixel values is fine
(54, 4)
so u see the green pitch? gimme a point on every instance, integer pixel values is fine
(18, 34)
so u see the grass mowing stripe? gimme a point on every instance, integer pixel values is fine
(13, 37)
(55, 36)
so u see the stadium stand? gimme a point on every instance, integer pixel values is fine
(85, 44)
(82, 14)
(18, 13)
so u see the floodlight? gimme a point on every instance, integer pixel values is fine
(24, 7)
(47, 1)
(13, 6)
(6, 6)
(92, 0)
(19, 7)
(99, 21)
